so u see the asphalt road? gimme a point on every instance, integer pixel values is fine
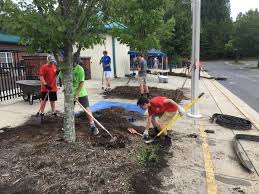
(241, 81)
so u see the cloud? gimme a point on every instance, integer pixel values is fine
(243, 6)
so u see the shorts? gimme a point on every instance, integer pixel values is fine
(84, 101)
(52, 96)
(107, 74)
(142, 80)
(166, 118)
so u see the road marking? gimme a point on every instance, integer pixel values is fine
(217, 85)
(210, 176)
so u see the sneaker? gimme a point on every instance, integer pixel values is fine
(37, 114)
(146, 137)
(95, 130)
(168, 140)
(41, 114)
(54, 114)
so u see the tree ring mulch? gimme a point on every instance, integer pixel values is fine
(33, 161)
(132, 92)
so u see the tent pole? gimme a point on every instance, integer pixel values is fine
(162, 63)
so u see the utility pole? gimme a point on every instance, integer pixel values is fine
(196, 18)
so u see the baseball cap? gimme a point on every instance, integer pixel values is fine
(51, 58)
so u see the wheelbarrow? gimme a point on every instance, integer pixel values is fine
(30, 89)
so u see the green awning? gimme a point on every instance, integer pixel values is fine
(6, 38)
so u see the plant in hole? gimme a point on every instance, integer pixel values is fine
(148, 155)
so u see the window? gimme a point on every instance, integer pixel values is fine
(6, 57)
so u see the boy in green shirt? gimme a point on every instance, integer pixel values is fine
(81, 94)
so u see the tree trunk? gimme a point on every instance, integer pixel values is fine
(69, 118)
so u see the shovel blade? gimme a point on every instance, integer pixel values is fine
(36, 120)
(150, 141)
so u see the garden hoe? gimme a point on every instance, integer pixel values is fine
(113, 138)
(178, 115)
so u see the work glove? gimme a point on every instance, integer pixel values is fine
(57, 72)
(48, 87)
(181, 110)
(145, 135)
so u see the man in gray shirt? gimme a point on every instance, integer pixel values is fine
(142, 76)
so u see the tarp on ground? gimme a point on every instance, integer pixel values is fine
(109, 104)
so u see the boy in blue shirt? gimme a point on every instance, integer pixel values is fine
(106, 62)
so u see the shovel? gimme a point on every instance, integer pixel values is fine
(37, 118)
(133, 131)
(86, 111)
(102, 80)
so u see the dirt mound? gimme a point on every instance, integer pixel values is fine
(33, 160)
(132, 92)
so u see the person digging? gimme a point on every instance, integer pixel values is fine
(80, 94)
(163, 108)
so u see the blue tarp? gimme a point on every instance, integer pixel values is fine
(108, 104)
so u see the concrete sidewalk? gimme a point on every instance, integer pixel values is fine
(206, 164)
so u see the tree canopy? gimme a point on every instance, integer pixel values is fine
(216, 28)
(145, 21)
(179, 43)
(55, 25)
(246, 34)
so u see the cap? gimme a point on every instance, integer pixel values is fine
(51, 58)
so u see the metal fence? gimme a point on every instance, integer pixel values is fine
(9, 74)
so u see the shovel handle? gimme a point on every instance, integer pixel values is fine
(139, 134)
(41, 103)
(201, 95)
(86, 111)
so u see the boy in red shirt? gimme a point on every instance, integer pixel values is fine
(48, 84)
(163, 108)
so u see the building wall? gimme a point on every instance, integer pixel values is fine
(122, 58)
(17, 55)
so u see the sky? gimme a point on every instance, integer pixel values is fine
(242, 6)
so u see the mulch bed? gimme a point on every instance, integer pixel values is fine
(34, 160)
(132, 92)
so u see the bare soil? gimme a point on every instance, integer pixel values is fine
(132, 92)
(34, 159)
